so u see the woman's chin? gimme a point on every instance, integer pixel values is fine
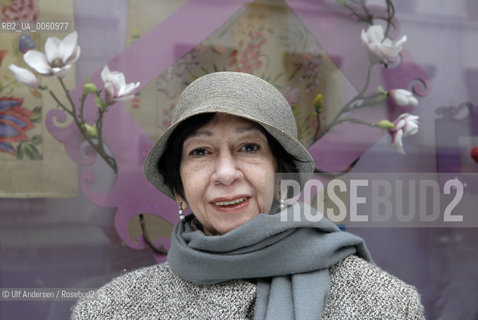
(224, 227)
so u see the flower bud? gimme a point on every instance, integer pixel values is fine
(385, 125)
(91, 131)
(89, 88)
(318, 103)
(403, 97)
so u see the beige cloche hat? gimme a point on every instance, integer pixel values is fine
(243, 95)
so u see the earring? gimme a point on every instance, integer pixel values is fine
(281, 202)
(181, 216)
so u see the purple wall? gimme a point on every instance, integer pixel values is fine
(72, 243)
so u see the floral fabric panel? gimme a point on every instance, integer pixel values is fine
(267, 41)
(32, 163)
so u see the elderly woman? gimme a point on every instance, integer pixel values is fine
(242, 253)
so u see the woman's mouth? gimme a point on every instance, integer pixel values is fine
(230, 203)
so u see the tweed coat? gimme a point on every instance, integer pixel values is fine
(358, 290)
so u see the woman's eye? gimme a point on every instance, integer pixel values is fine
(250, 147)
(198, 152)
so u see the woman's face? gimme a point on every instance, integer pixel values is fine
(227, 171)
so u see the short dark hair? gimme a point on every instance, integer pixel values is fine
(168, 165)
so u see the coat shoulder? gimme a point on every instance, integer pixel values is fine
(121, 293)
(361, 290)
(157, 292)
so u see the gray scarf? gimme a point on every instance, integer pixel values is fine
(290, 259)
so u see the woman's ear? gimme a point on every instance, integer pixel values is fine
(277, 186)
(182, 204)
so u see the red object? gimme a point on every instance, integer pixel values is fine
(474, 154)
(2, 54)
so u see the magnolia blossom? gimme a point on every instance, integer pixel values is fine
(405, 125)
(381, 48)
(24, 76)
(403, 97)
(116, 88)
(58, 57)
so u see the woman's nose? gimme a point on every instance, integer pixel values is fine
(226, 171)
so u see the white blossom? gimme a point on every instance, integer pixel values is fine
(24, 76)
(405, 125)
(116, 88)
(58, 57)
(381, 49)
